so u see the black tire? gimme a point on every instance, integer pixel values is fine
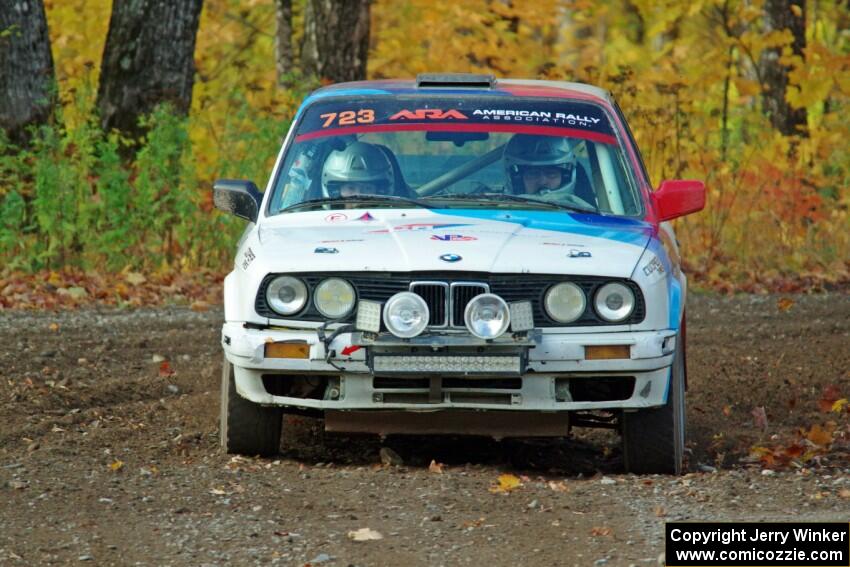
(246, 428)
(654, 439)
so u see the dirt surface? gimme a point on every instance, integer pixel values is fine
(109, 456)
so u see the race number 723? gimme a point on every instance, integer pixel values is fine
(348, 117)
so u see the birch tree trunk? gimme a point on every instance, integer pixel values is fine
(26, 68)
(336, 39)
(148, 60)
(283, 41)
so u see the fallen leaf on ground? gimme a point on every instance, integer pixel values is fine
(505, 483)
(838, 406)
(435, 467)
(53, 327)
(600, 531)
(727, 410)
(844, 493)
(165, 369)
(217, 491)
(364, 534)
(829, 395)
(135, 278)
(116, 465)
(559, 486)
(784, 303)
(819, 436)
(759, 417)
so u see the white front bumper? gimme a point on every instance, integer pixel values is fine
(554, 356)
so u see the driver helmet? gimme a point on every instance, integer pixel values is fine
(528, 155)
(359, 169)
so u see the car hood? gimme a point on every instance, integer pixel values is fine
(502, 241)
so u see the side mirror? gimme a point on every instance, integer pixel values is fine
(678, 198)
(237, 197)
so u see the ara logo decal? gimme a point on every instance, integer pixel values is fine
(578, 254)
(428, 114)
(325, 250)
(336, 217)
(451, 258)
(365, 217)
(453, 237)
(419, 226)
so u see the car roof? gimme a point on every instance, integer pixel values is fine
(512, 87)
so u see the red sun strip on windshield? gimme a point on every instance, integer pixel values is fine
(510, 128)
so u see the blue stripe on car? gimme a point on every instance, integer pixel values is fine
(629, 231)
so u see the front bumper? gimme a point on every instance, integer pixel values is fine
(554, 369)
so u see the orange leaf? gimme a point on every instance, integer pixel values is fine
(600, 531)
(165, 369)
(819, 436)
(793, 451)
(435, 467)
(784, 303)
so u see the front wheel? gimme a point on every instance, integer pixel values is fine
(246, 428)
(654, 439)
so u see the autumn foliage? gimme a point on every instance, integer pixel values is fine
(687, 75)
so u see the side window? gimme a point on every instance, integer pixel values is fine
(622, 119)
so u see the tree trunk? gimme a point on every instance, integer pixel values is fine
(283, 41)
(779, 15)
(26, 68)
(148, 60)
(336, 39)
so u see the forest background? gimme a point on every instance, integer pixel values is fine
(100, 202)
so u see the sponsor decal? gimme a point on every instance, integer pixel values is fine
(336, 217)
(578, 254)
(340, 241)
(248, 258)
(535, 116)
(653, 266)
(453, 237)
(428, 114)
(365, 217)
(324, 250)
(419, 226)
(451, 258)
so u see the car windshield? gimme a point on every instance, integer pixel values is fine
(462, 152)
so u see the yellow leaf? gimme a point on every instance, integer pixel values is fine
(798, 12)
(435, 467)
(135, 278)
(838, 406)
(506, 483)
(116, 465)
(819, 436)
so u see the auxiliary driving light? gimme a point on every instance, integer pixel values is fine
(406, 315)
(522, 316)
(368, 316)
(487, 316)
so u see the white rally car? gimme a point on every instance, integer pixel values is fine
(460, 255)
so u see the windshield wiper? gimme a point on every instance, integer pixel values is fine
(516, 199)
(358, 199)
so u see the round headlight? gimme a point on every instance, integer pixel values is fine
(334, 298)
(487, 316)
(406, 315)
(286, 295)
(565, 302)
(614, 302)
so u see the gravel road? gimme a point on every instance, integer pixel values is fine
(109, 455)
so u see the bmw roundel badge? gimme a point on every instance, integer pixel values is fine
(450, 258)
